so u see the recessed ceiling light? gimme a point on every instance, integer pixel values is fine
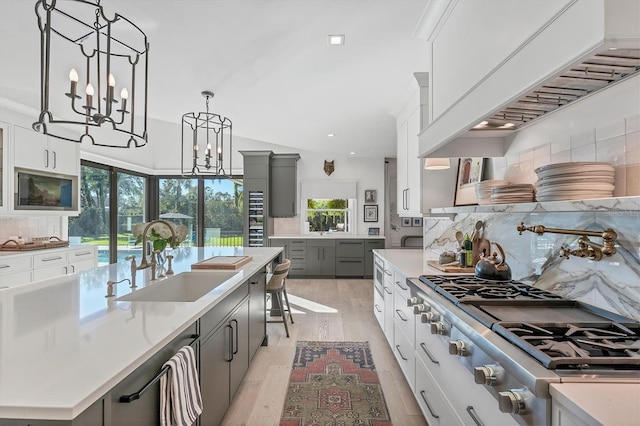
(336, 39)
(352, 153)
(330, 135)
(508, 125)
(613, 48)
(481, 124)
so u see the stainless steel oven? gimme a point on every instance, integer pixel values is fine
(378, 275)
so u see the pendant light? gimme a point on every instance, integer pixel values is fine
(436, 163)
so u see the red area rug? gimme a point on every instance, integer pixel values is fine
(334, 384)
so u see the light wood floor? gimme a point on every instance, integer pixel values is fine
(331, 310)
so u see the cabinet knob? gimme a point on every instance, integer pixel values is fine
(458, 347)
(437, 328)
(428, 317)
(512, 402)
(412, 301)
(420, 308)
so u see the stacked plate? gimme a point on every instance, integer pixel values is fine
(512, 193)
(484, 190)
(575, 181)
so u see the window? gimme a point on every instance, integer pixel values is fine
(178, 200)
(223, 212)
(132, 193)
(334, 215)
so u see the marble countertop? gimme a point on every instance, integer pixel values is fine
(600, 403)
(411, 262)
(327, 235)
(63, 344)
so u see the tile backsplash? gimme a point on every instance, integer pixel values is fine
(617, 143)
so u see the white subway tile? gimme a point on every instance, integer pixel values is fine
(632, 123)
(541, 161)
(633, 180)
(584, 153)
(542, 151)
(620, 181)
(610, 130)
(561, 157)
(611, 150)
(560, 145)
(526, 155)
(582, 139)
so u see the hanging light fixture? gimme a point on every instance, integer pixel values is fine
(77, 35)
(436, 163)
(207, 141)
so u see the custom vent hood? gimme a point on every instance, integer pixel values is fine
(464, 130)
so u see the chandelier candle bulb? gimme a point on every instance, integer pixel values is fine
(90, 93)
(73, 78)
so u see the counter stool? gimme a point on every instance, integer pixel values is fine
(276, 288)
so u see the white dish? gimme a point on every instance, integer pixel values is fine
(576, 169)
(577, 186)
(600, 178)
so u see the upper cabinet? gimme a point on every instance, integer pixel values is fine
(477, 73)
(409, 184)
(33, 150)
(4, 165)
(284, 185)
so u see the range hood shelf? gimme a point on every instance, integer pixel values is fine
(585, 78)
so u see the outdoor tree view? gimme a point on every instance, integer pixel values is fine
(177, 202)
(327, 215)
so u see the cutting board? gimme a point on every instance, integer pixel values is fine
(450, 268)
(222, 262)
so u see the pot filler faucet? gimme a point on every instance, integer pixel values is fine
(586, 247)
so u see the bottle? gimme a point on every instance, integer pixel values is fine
(467, 245)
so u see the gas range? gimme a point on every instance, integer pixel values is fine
(516, 339)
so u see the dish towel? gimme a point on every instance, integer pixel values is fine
(180, 398)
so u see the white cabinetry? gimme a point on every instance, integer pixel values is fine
(33, 150)
(5, 186)
(409, 186)
(404, 329)
(23, 268)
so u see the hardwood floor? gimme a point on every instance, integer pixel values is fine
(331, 310)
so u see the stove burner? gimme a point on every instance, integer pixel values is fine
(576, 345)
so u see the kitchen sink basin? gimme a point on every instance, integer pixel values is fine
(184, 287)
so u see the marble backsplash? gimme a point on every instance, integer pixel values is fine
(612, 283)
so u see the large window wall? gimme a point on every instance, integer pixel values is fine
(114, 200)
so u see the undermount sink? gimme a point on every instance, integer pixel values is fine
(184, 287)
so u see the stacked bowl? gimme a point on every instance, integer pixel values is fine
(484, 190)
(575, 181)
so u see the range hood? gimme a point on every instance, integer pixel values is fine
(587, 47)
(582, 79)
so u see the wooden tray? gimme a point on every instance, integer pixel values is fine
(222, 262)
(450, 268)
(13, 245)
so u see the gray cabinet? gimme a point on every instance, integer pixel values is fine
(321, 258)
(283, 185)
(257, 225)
(297, 253)
(145, 409)
(257, 311)
(350, 258)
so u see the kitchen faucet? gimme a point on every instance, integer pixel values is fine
(143, 262)
(134, 268)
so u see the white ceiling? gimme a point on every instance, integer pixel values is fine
(268, 62)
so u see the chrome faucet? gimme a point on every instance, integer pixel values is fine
(143, 263)
(134, 269)
(110, 285)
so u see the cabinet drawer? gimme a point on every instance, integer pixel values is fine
(210, 320)
(378, 308)
(298, 270)
(350, 267)
(434, 405)
(298, 243)
(45, 260)
(45, 272)
(81, 253)
(297, 250)
(15, 279)
(15, 264)
(406, 356)
(298, 260)
(349, 248)
(373, 244)
(318, 242)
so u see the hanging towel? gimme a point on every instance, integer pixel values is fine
(180, 398)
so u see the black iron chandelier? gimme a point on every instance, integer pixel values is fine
(207, 142)
(77, 33)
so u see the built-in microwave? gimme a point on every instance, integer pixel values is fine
(35, 190)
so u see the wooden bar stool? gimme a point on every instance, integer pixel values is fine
(276, 288)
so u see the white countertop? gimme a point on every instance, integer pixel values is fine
(327, 235)
(63, 344)
(600, 403)
(411, 262)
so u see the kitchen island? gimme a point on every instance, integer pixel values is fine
(64, 345)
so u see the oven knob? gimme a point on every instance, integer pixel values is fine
(421, 307)
(512, 402)
(414, 301)
(489, 375)
(458, 347)
(428, 317)
(437, 327)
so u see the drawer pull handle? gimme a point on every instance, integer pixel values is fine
(49, 259)
(378, 308)
(350, 261)
(84, 253)
(399, 312)
(401, 356)
(424, 398)
(474, 416)
(136, 395)
(387, 272)
(386, 290)
(398, 283)
(426, 351)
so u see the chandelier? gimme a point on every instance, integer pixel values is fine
(207, 142)
(110, 54)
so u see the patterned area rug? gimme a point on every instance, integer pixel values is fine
(334, 384)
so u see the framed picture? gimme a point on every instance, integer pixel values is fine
(369, 196)
(406, 221)
(371, 213)
(374, 231)
(470, 172)
(417, 221)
